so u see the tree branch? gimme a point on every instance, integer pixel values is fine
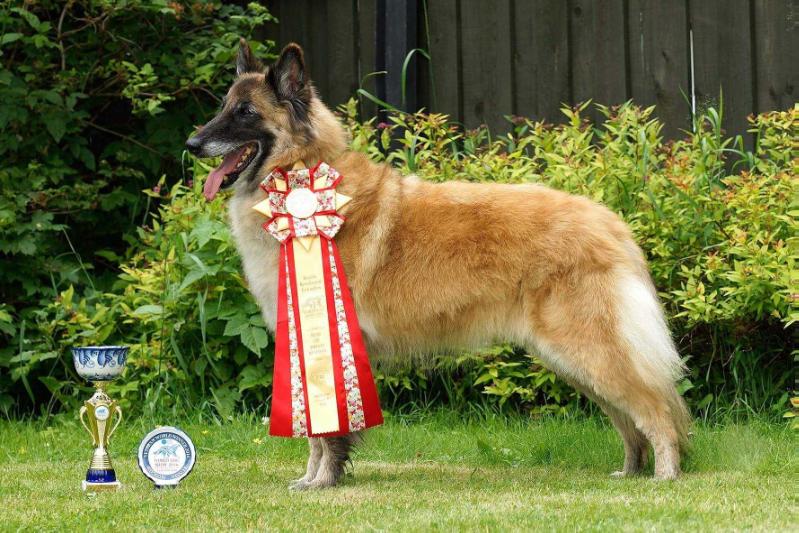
(125, 137)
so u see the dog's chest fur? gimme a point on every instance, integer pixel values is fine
(259, 253)
(360, 241)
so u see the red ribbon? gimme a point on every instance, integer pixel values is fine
(356, 395)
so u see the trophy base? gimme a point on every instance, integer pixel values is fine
(90, 486)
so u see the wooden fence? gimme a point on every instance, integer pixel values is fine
(491, 58)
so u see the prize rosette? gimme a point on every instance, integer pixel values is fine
(322, 382)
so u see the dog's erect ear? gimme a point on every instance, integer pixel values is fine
(287, 77)
(245, 61)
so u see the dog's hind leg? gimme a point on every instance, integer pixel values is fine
(654, 404)
(606, 332)
(314, 458)
(639, 410)
(636, 447)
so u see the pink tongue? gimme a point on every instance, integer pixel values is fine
(214, 180)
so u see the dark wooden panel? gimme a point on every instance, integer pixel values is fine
(294, 21)
(526, 57)
(487, 74)
(397, 23)
(316, 34)
(598, 55)
(327, 32)
(541, 58)
(723, 59)
(776, 53)
(443, 90)
(658, 50)
(367, 50)
(342, 60)
(271, 31)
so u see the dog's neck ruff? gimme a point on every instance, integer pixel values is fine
(322, 384)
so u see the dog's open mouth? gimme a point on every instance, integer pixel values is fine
(228, 172)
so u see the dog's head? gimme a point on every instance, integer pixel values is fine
(268, 118)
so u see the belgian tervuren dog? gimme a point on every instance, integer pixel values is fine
(436, 267)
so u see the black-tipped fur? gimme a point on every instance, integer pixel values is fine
(289, 80)
(341, 449)
(245, 60)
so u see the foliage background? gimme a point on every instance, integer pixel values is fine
(106, 238)
(96, 100)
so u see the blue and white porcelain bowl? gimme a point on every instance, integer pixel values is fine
(99, 363)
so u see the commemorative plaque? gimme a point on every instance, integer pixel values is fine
(166, 456)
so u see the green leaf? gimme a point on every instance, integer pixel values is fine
(254, 376)
(56, 126)
(150, 309)
(248, 338)
(235, 325)
(52, 384)
(202, 232)
(87, 158)
(32, 19)
(260, 336)
(190, 278)
(10, 38)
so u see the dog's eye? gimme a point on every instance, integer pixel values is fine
(245, 109)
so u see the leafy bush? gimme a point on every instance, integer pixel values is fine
(721, 244)
(718, 224)
(96, 100)
(90, 119)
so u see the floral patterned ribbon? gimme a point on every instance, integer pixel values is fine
(307, 401)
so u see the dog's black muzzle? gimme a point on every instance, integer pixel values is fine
(194, 145)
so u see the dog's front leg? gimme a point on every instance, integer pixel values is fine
(335, 453)
(314, 459)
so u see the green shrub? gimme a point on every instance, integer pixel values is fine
(721, 244)
(718, 224)
(96, 100)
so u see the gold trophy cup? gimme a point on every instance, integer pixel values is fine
(100, 365)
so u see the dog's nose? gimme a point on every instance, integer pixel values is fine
(193, 145)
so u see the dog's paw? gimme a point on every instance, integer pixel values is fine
(316, 484)
(668, 475)
(298, 486)
(623, 474)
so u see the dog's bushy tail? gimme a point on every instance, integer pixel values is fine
(643, 327)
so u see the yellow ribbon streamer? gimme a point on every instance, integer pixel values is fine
(317, 352)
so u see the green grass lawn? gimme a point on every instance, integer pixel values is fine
(432, 472)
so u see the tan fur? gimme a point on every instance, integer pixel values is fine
(438, 267)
